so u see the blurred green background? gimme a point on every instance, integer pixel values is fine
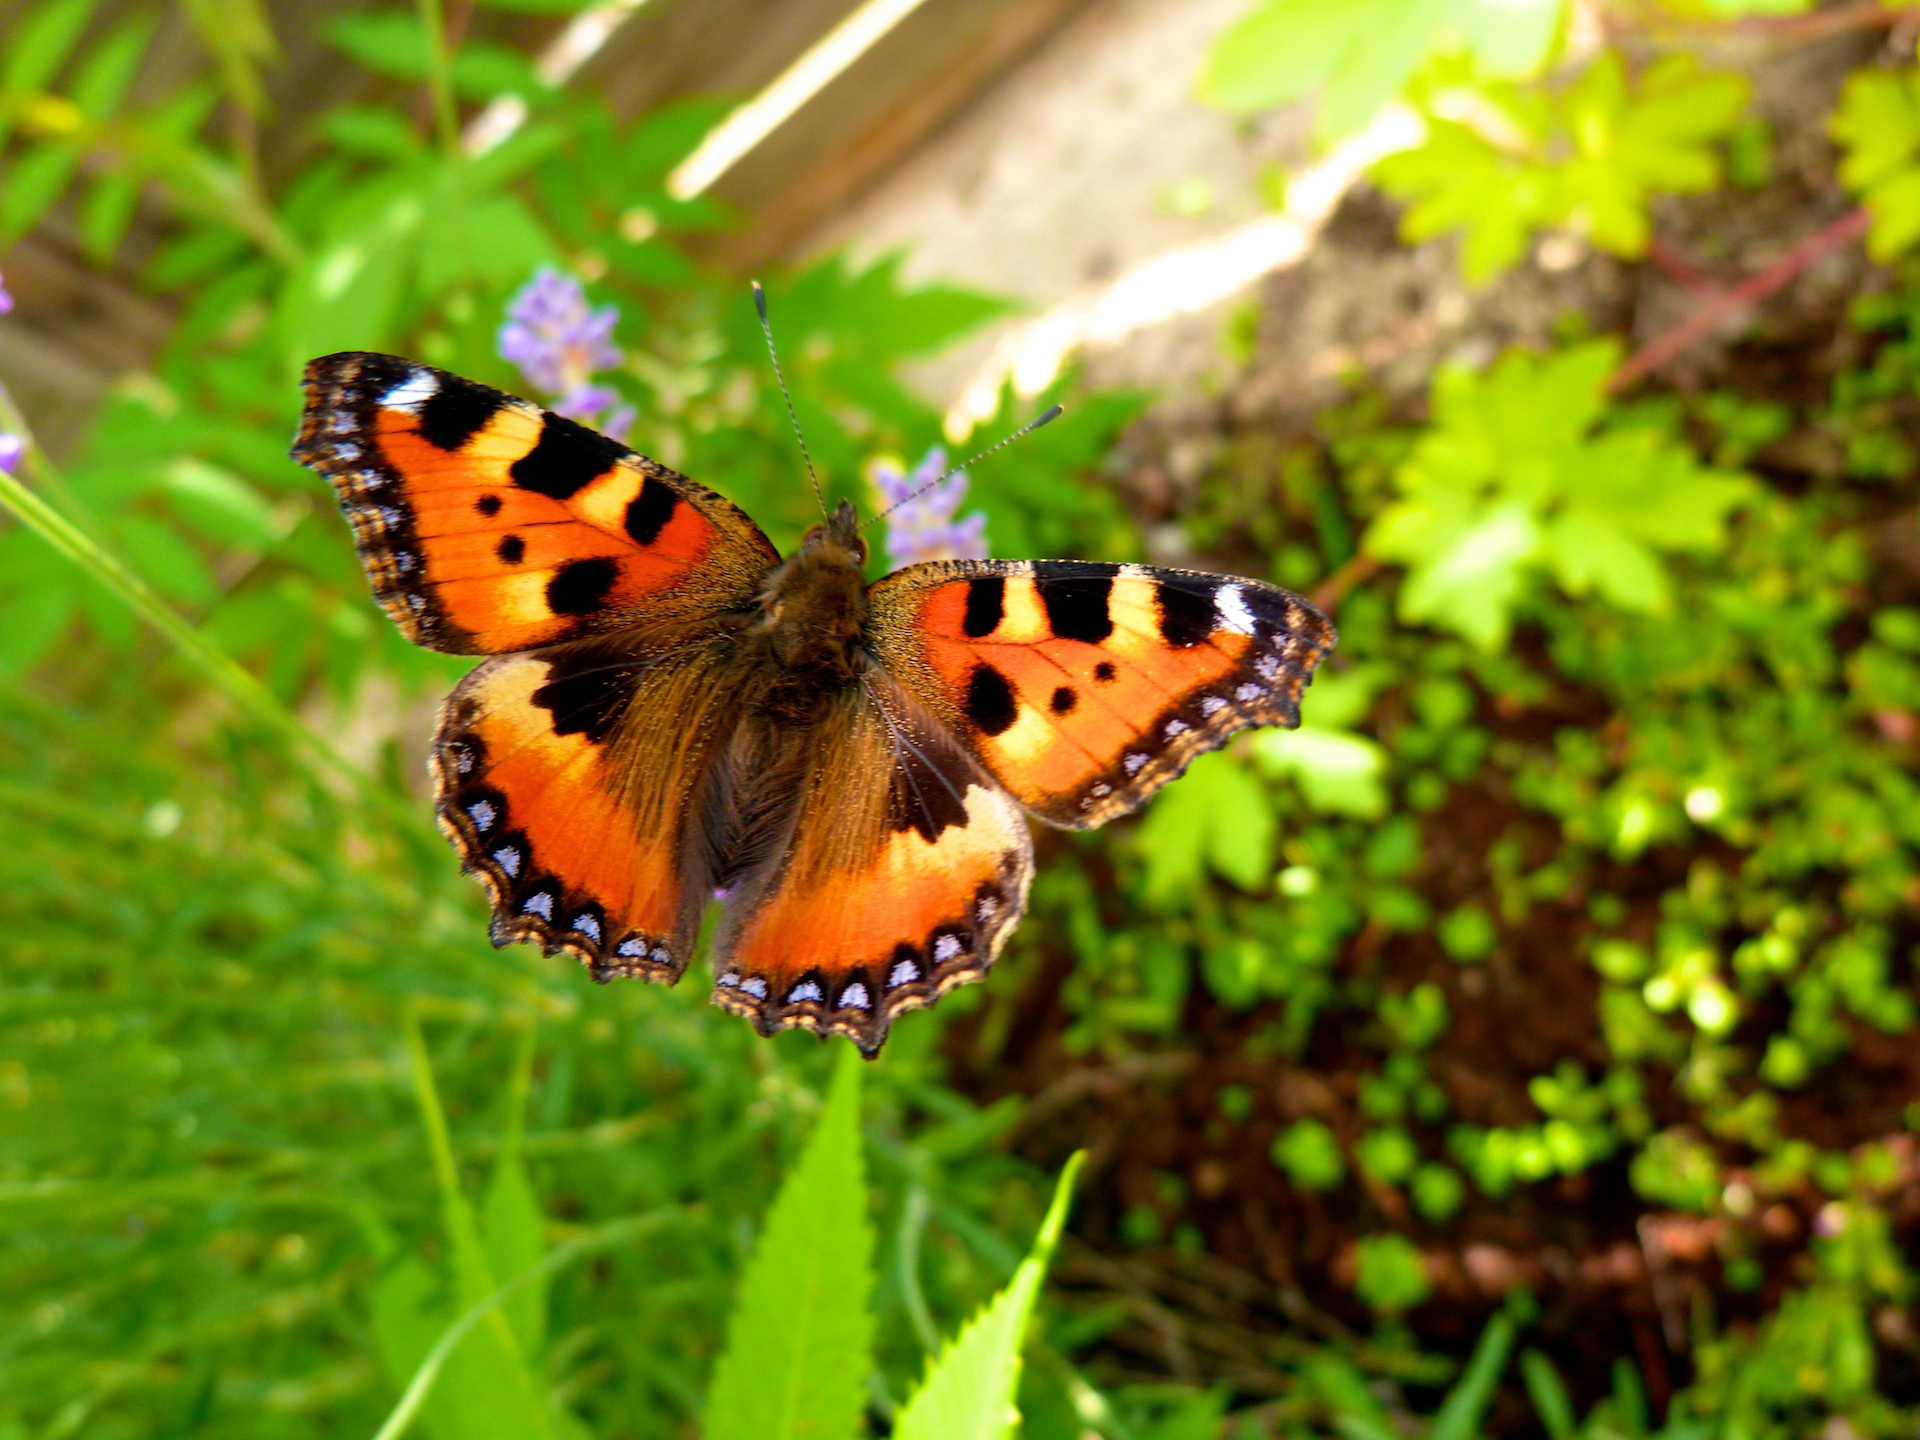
(1523, 1046)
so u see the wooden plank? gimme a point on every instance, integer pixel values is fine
(874, 114)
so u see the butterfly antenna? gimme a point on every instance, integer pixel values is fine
(766, 329)
(1052, 412)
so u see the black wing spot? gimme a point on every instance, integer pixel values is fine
(986, 606)
(650, 510)
(990, 703)
(456, 412)
(590, 703)
(1077, 606)
(511, 549)
(488, 505)
(567, 459)
(580, 586)
(1104, 671)
(1064, 699)
(1186, 619)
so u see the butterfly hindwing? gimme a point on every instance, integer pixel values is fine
(1083, 688)
(892, 871)
(487, 525)
(568, 780)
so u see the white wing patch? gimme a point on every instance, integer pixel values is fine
(1230, 605)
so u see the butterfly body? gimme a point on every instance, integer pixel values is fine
(669, 709)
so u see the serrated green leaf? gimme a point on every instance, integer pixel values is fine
(1589, 158)
(1878, 128)
(800, 1339)
(968, 1393)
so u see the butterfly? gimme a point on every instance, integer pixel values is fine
(670, 710)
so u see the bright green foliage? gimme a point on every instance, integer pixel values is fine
(1878, 126)
(1520, 475)
(968, 1392)
(1216, 818)
(801, 1337)
(1388, 1274)
(1358, 55)
(1339, 771)
(1502, 163)
(1309, 1153)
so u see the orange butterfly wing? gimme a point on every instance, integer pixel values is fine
(893, 869)
(1083, 688)
(487, 525)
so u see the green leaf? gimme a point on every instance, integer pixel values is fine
(107, 213)
(1511, 480)
(1216, 816)
(220, 504)
(800, 1339)
(1361, 53)
(1389, 1274)
(1198, 1419)
(1466, 1404)
(1338, 772)
(968, 1393)
(1589, 158)
(43, 42)
(1878, 127)
(1549, 1394)
(240, 35)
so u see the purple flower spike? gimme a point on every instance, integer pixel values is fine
(599, 406)
(924, 528)
(12, 447)
(557, 339)
(6, 300)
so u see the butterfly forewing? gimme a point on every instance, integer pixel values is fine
(1083, 688)
(487, 525)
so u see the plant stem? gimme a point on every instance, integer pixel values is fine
(1704, 321)
(446, 119)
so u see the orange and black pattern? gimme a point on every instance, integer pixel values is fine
(672, 714)
(487, 525)
(1082, 687)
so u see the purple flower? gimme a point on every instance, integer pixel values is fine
(924, 527)
(12, 447)
(6, 300)
(599, 406)
(557, 339)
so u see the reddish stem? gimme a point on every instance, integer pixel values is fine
(1669, 261)
(1709, 316)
